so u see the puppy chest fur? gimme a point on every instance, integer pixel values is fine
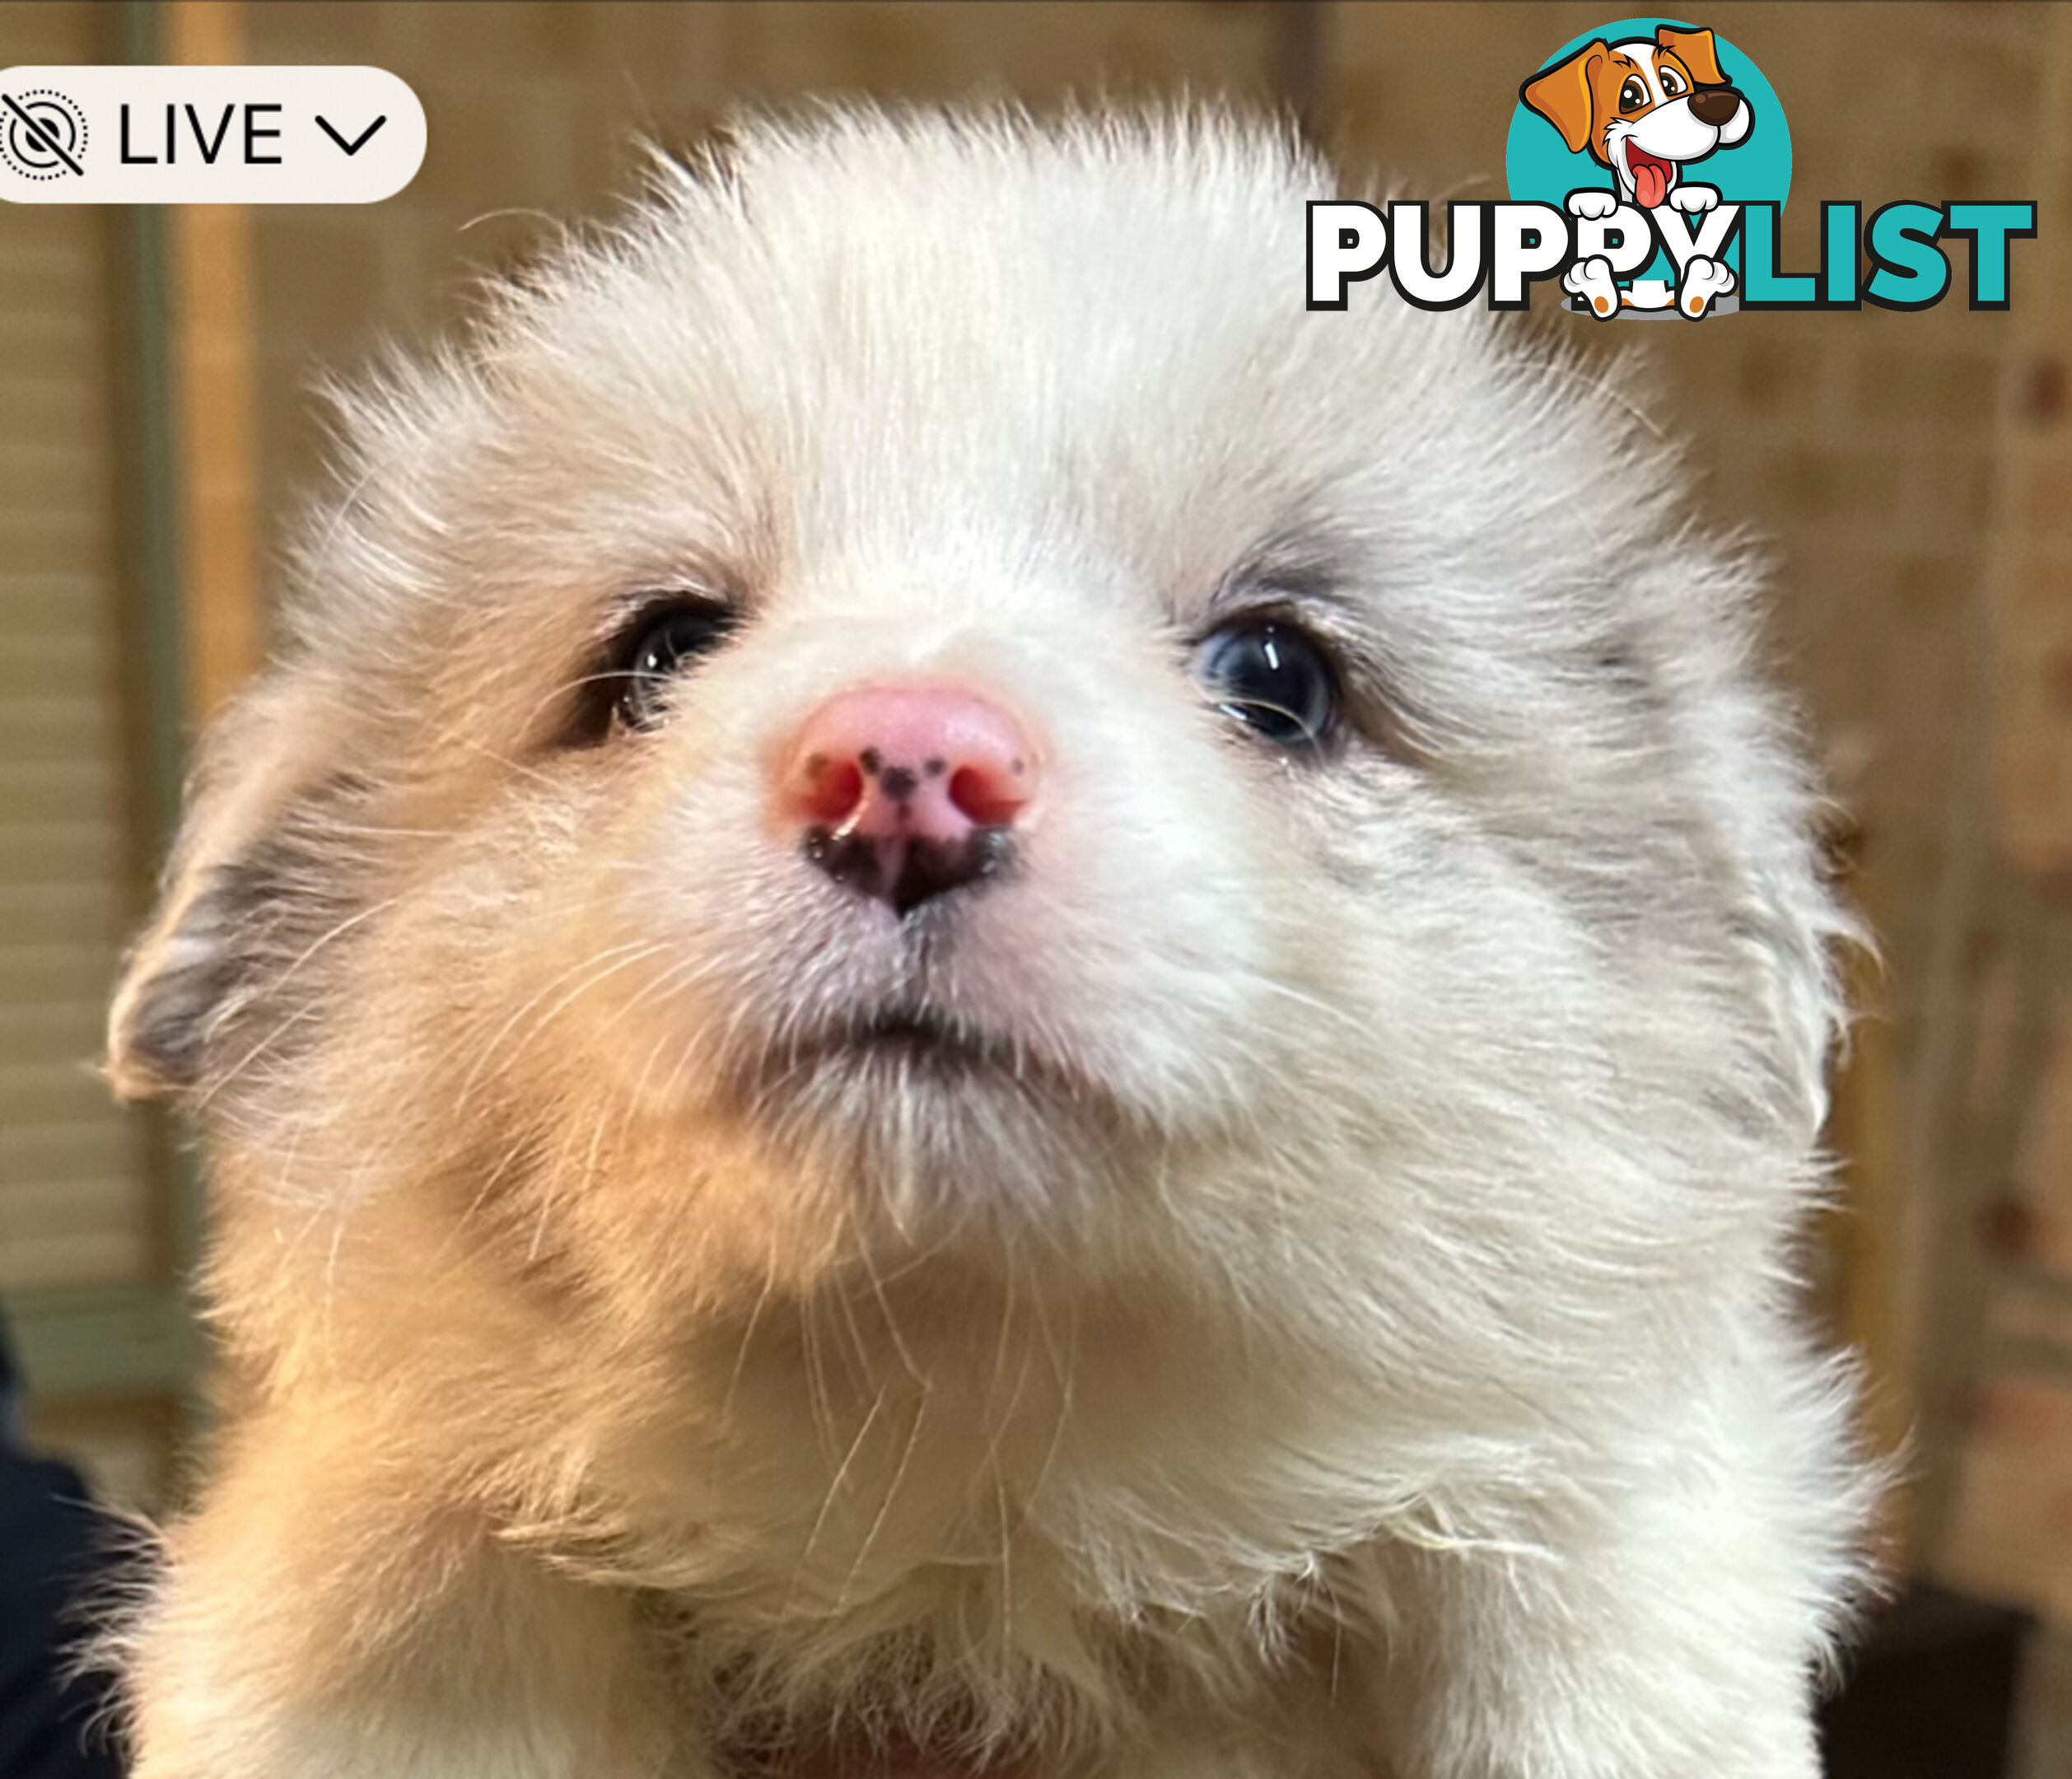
(972, 1005)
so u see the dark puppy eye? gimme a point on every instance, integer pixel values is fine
(660, 648)
(1632, 95)
(1273, 677)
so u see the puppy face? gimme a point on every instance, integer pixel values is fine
(1343, 844)
(1643, 108)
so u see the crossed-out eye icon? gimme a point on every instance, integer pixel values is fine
(43, 134)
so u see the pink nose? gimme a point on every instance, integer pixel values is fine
(906, 792)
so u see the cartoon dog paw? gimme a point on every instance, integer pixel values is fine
(1592, 204)
(1693, 199)
(1703, 280)
(1591, 279)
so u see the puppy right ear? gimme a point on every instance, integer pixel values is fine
(193, 966)
(1561, 93)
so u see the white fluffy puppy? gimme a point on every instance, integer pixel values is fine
(974, 1005)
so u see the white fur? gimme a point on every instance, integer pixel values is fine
(1363, 1341)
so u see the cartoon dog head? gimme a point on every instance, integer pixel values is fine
(1643, 107)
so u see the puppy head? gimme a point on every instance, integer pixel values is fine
(1642, 108)
(909, 703)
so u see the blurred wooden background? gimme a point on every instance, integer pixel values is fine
(1913, 472)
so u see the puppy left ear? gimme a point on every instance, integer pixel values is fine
(232, 900)
(1697, 51)
(1561, 94)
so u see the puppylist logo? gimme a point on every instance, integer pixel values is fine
(1620, 129)
(1648, 163)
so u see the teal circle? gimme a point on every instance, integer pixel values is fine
(1539, 168)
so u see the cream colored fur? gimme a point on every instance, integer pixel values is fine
(1349, 1332)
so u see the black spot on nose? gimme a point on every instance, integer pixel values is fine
(898, 782)
(871, 761)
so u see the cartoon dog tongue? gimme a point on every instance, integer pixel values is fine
(1650, 176)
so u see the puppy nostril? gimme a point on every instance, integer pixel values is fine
(988, 799)
(828, 791)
